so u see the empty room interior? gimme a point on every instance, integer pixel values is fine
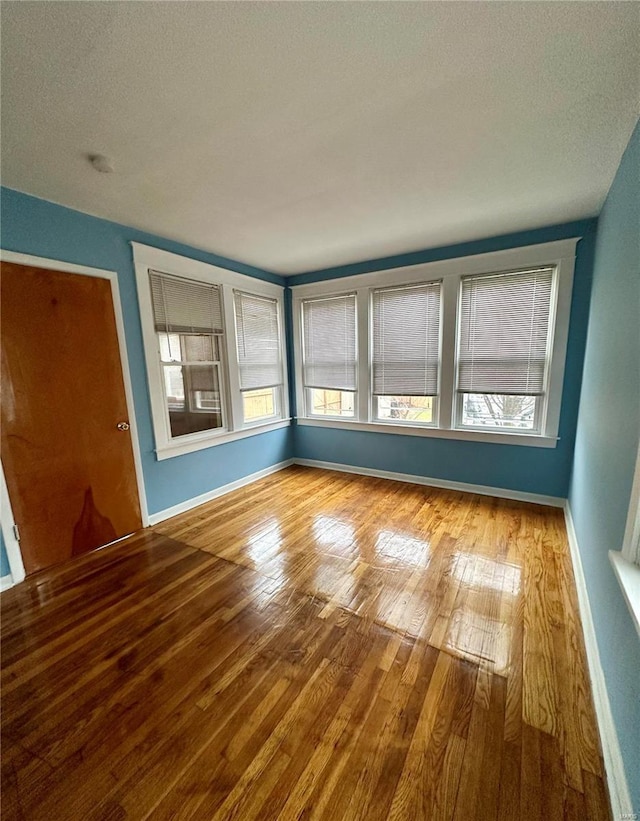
(320, 393)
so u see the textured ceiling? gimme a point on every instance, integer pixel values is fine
(296, 136)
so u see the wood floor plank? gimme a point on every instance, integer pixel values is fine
(313, 646)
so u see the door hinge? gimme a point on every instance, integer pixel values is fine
(16, 533)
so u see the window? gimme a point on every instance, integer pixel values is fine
(259, 355)
(330, 403)
(329, 356)
(626, 563)
(214, 352)
(503, 349)
(469, 348)
(406, 352)
(188, 322)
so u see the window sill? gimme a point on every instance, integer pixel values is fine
(629, 578)
(178, 449)
(528, 440)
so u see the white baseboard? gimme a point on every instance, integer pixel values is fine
(182, 507)
(6, 582)
(619, 795)
(483, 490)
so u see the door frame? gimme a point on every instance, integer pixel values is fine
(15, 557)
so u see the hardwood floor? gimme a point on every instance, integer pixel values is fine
(315, 645)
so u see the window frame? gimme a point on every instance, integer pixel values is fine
(277, 405)
(311, 415)
(280, 390)
(626, 562)
(538, 416)
(189, 403)
(146, 259)
(302, 389)
(374, 418)
(377, 419)
(559, 254)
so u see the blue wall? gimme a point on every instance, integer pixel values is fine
(534, 470)
(34, 226)
(607, 442)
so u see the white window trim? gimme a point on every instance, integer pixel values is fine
(631, 542)
(560, 254)
(626, 562)
(147, 258)
(428, 431)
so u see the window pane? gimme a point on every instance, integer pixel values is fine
(331, 403)
(259, 403)
(418, 409)
(206, 400)
(491, 410)
(188, 348)
(174, 386)
(170, 347)
(193, 398)
(199, 348)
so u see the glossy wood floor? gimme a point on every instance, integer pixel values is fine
(316, 645)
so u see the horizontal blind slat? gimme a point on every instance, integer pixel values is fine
(258, 341)
(183, 306)
(329, 339)
(504, 328)
(406, 340)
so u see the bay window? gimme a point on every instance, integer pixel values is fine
(469, 348)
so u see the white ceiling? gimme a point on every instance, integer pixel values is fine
(301, 135)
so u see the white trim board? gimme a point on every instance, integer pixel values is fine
(189, 504)
(628, 575)
(466, 435)
(631, 541)
(6, 582)
(619, 796)
(490, 261)
(465, 487)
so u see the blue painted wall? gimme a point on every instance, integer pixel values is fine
(607, 440)
(534, 470)
(34, 226)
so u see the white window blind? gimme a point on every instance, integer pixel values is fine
(504, 330)
(258, 341)
(182, 306)
(406, 340)
(329, 339)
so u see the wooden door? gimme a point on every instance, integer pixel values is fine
(69, 468)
